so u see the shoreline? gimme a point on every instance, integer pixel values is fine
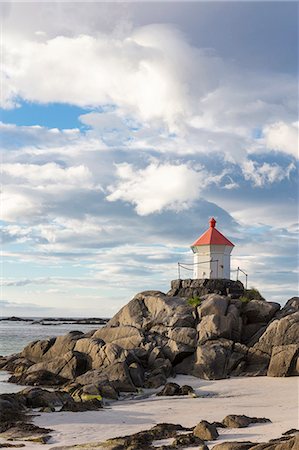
(273, 398)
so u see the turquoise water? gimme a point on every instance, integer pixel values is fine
(14, 336)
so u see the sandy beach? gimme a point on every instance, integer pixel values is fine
(273, 398)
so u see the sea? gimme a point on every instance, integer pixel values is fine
(15, 335)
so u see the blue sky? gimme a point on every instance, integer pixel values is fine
(124, 129)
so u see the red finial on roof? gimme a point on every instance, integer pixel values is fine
(212, 222)
(212, 237)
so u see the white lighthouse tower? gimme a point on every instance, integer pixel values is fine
(212, 254)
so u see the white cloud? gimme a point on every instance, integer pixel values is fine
(160, 186)
(265, 173)
(47, 175)
(283, 137)
(30, 190)
(16, 205)
(156, 77)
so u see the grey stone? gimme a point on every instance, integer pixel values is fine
(206, 431)
(282, 360)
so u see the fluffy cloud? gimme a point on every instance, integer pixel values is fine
(29, 190)
(47, 175)
(184, 99)
(158, 186)
(283, 137)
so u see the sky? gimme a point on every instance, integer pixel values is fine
(124, 128)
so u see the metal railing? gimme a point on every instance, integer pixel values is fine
(180, 265)
(238, 270)
(183, 266)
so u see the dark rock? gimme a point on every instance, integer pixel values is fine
(89, 405)
(63, 344)
(155, 380)
(15, 319)
(210, 360)
(26, 432)
(234, 445)
(47, 409)
(18, 365)
(144, 439)
(206, 431)
(68, 366)
(290, 307)
(38, 378)
(250, 330)
(190, 288)
(259, 311)
(284, 443)
(8, 445)
(187, 440)
(36, 350)
(241, 421)
(291, 431)
(42, 398)
(187, 390)
(12, 409)
(170, 389)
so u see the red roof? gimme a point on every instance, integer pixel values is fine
(212, 237)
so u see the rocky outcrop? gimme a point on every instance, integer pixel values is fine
(205, 328)
(193, 288)
(196, 437)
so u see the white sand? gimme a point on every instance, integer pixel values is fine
(273, 398)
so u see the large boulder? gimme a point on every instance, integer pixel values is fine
(36, 350)
(280, 332)
(186, 336)
(38, 378)
(213, 304)
(63, 344)
(283, 360)
(39, 398)
(259, 311)
(210, 361)
(68, 366)
(152, 308)
(127, 337)
(214, 327)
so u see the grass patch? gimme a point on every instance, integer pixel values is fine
(195, 301)
(251, 294)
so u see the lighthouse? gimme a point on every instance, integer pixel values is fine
(212, 254)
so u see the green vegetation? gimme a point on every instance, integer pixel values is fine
(194, 301)
(244, 299)
(251, 294)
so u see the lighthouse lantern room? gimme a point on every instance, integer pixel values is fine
(212, 254)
